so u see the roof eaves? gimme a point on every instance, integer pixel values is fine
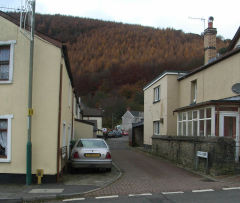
(210, 102)
(234, 40)
(55, 42)
(161, 76)
(66, 59)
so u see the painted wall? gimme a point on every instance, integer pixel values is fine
(213, 83)
(46, 79)
(46, 76)
(127, 120)
(98, 119)
(14, 98)
(82, 130)
(66, 109)
(172, 104)
(155, 111)
(169, 88)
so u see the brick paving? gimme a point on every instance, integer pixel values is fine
(143, 173)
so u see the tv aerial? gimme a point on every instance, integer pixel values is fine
(26, 17)
(202, 19)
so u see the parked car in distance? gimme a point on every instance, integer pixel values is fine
(124, 133)
(110, 134)
(91, 153)
(117, 133)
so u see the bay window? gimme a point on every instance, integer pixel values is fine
(196, 122)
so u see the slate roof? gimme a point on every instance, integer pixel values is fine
(92, 112)
(234, 40)
(230, 53)
(226, 101)
(137, 113)
(221, 58)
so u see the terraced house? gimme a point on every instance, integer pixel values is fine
(197, 107)
(52, 100)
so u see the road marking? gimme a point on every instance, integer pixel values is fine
(46, 191)
(107, 197)
(231, 188)
(143, 194)
(170, 193)
(205, 190)
(74, 199)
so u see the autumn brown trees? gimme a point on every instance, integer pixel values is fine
(111, 62)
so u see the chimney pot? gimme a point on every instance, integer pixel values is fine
(210, 22)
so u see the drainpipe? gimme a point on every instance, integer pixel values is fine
(30, 110)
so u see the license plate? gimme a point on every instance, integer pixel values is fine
(92, 155)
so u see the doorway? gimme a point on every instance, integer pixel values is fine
(229, 127)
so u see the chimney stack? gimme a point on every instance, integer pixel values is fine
(210, 41)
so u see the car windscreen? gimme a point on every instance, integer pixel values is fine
(92, 144)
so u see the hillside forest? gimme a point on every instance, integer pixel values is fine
(111, 62)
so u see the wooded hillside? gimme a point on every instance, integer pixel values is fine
(111, 62)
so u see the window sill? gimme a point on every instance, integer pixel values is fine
(156, 101)
(5, 81)
(4, 160)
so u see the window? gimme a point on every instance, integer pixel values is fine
(156, 127)
(5, 138)
(157, 94)
(196, 122)
(194, 92)
(6, 61)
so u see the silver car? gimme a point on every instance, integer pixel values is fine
(91, 153)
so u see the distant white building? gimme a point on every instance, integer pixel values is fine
(131, 117)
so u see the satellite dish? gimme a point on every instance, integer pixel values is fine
(236, 88)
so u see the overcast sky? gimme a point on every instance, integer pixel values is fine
(155, 13)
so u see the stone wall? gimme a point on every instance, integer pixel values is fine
(182, 150)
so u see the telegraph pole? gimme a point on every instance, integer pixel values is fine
(30, 110)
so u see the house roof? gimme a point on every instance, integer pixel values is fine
(92, 112)
(55, 42)
(226, 101)
(234, 40)
(162, 75)
(230, 53)
(221, 58)
(136, 113)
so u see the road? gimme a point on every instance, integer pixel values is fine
(231, 196)
(147, 178)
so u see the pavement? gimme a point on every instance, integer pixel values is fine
(71, 185)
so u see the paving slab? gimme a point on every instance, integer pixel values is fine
(71, 185)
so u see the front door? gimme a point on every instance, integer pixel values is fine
(229, 127)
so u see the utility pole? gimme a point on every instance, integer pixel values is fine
(30, 110)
